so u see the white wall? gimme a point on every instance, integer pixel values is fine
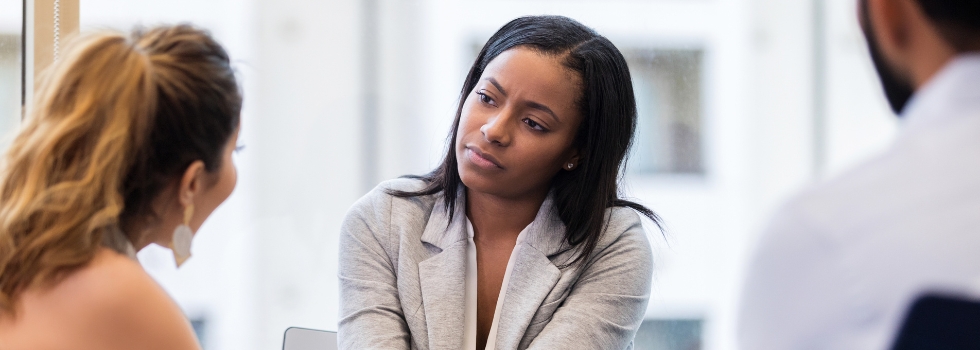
(10, 14)
(859, 122)
(308, 156)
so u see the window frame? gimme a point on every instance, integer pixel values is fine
(46, 25)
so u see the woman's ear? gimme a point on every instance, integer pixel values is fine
(571, 162)
(191, 183)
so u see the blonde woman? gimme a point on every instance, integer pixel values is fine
(129, 142)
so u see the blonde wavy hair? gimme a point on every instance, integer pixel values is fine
(115, 121)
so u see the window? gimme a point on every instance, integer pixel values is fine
(675, 334)
(10, 67)
(9, 80)
(667, 86)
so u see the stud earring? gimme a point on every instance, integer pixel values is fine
(180, 244)
(570, 166)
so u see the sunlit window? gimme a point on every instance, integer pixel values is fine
(9, 78)
(10, 67)
(667, 86)
(677, 334)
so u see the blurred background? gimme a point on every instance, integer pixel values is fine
(742, 102)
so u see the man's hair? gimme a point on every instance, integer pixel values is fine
(958, 21)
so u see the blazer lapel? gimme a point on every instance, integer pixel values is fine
(442, 278)
(533, 277)
(531, 280)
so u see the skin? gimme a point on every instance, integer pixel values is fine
(112, 303)
(910, 43)
(516, 133)
(198, 188)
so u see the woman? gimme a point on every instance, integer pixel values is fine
(519, 239)
(129, 142)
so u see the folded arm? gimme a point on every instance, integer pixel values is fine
(371, 314)
(606, 306)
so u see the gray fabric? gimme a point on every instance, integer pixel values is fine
(402, 279)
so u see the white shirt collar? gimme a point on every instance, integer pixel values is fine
(951, 93)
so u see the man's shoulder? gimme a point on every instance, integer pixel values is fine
(865, 191)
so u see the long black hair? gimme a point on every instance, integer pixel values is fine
(607, 106)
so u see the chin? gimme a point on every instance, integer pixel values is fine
(475, 181)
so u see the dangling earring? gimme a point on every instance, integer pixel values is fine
(180, 244)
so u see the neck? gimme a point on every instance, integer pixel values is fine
(501, 217)
(138, 234)
(929, 52)
(931, 64)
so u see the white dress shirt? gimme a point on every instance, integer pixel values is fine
(840, 264)
(469, 316)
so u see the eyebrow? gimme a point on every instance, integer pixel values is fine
(530, 104)
(545, 109)
(496, 84)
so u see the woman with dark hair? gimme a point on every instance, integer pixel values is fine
(519, 239)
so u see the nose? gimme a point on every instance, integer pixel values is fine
(497, 129)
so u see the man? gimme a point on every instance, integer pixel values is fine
(841, 263)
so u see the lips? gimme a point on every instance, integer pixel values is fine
(482, 159)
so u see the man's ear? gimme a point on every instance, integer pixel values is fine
(191, 183)
(890, 21)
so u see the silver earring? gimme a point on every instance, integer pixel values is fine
(180, 243)
(570, 166)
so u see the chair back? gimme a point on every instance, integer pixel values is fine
(297, 338)
(940, 322)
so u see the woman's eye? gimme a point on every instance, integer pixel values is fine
(533, 124)
(484, 98)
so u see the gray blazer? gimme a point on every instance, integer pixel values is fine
(403, 267)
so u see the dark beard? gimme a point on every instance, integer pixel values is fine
(898, 88)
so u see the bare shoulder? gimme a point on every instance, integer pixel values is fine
(109, 304)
